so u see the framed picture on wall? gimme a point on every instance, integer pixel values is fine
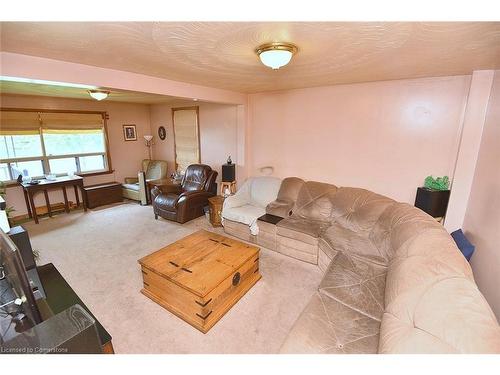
(129, 133)
(162, 133)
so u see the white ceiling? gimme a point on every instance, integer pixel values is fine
(221, 54)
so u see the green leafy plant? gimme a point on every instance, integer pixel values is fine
(438, 183)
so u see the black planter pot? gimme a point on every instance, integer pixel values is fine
(434, 202)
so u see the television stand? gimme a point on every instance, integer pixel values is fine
(60, 296)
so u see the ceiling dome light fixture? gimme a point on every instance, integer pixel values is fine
(276, 55)
(98, 94)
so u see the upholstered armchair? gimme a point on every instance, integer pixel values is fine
(135, 187)
(186, 201)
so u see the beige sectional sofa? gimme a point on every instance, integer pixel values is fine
(394, 280)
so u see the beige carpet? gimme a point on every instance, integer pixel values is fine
(97, 253)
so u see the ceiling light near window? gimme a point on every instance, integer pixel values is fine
(98, 94)
(276, 55)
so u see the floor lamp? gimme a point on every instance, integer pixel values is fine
(149, 143)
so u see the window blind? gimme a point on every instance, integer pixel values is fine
(12, 123)
(71, 122)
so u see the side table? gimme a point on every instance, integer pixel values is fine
(228, 185)
(215, 210)
(267, 230)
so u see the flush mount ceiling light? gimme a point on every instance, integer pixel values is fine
(98, 94)
(276, 55)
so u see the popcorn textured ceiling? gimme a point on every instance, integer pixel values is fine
(221, 54)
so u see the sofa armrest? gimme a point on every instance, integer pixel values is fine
(170, 188)
(155, 191)
(280, 207)
(131, 180)
(234, 201)
(194, 197)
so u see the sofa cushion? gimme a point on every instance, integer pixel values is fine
(195, 177)
(156, 169)
(354, 243)
(357, 284)
(325, 246)
(329, 327)
(167, 201)
(300, 229)
(449, 316)
(263, 190)
(297, 249)
(246, 214)
(398, 223)
(134, 187)
(325, 255)
(423, 260)
(280, 208)
(358, 209)
(314, 201)
(432, 304)
(289, 189)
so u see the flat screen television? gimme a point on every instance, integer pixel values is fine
(12, 271)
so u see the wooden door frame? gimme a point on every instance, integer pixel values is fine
(197, 109)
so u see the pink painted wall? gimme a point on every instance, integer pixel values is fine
(125, 156)
(218, 133)
(482, 218)
(383, 136)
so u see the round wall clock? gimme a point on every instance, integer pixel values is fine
(162, 133)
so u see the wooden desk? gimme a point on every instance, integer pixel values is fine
(44, 185)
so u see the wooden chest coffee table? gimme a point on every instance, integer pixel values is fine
(200, 277)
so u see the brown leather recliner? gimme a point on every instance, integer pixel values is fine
(185, 202)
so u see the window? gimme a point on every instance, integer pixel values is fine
(37, 143)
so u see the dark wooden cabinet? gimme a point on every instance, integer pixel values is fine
(102, 194)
